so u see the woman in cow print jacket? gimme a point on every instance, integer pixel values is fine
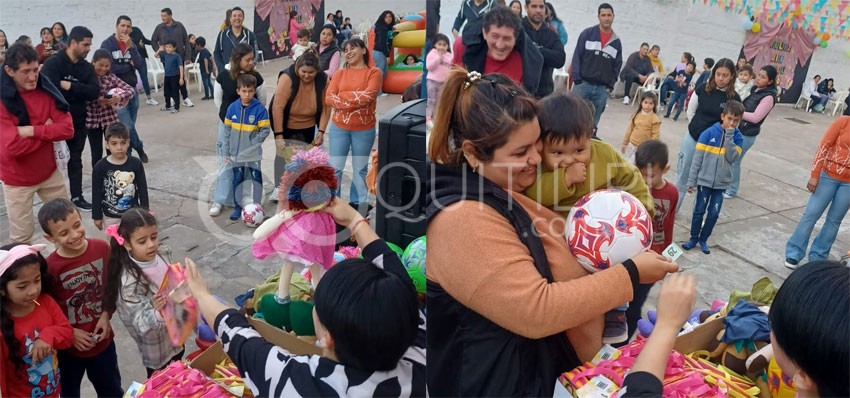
(367, 319)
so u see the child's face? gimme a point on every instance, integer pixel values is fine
(68, 234)
(729, 120)
(169, 48)
(565, 153)
(118, 147)
(26, 286)
(689, 69)
(654, 175)
(647, 105)
(410, 61)
(101, 67)
(143, 243)
(303, 41)
(744, 76)
(246, 94)
(441, 46)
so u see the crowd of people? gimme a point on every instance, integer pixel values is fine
(56, 309)
(496, 107)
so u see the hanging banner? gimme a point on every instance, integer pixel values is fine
(780, 45)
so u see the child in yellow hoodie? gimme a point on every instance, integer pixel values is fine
(575, 164)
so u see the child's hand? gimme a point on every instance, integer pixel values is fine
(159, 302)
(575, 173)
(103, 328)
(677, 296)
(39, 351)
(114, 101)
(82, 340)
(623, 148)
(98, 224)
(690, 189)
(103, 101)
(342, 213)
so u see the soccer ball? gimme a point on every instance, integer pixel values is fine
(607, 227)
(253, 215)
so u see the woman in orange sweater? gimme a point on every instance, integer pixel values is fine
(503, 286)
(352, 94)
(829, 183)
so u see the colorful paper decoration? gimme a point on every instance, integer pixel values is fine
(824, 17)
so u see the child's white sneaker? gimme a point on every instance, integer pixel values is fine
(626, 100)
(188, 102)
(152, 102)
(215, 210)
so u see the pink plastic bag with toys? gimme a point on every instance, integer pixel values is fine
(181, 309)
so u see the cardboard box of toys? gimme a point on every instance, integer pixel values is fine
(211, 360)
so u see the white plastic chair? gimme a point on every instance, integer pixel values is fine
(362, 31)
(801, 100)
(648, 86)
(837, 102)
(261, 57)
(561, 73)
(194, 69)
(155, 69)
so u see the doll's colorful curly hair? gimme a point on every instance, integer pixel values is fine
(308, 181)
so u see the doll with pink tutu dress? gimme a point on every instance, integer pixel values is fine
(300, 234)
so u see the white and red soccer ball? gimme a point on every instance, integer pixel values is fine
(607, 227)
(253, 215)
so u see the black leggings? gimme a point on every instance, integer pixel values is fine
(175, 358)
(304, 135)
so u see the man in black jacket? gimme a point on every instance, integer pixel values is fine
(547, 42)
(75, 78)
(502, 46)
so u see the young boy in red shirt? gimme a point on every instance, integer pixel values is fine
(651, 158)
(78, 268)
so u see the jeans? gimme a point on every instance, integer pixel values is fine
(828, 191)
(128, 116)
(102, 370)
(736, 165)
(76, 146)
(143, 74)
(679, 99)
(208, 87)
(252, 169)
(223, 185)
(596, 94)
(380, 63)
(360, 144)
(709, 200)
(171, 87)
(686, 157)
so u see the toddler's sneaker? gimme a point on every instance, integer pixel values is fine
(215, 209)
(689, 244)
(152, 102)
(790, 263)
(616, 329)
(237, 213)
(188, 102)
(704, 247)
(175, 110)
(626, 100)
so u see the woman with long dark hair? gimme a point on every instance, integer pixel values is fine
(704, 109)
(328, 53)
(383, 43)
(756, 108)
(297, 109)
(60, 34)
(48, 45)
(556, 23)
(241, 61)
(352, 95)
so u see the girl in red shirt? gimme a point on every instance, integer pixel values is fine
(33, 326)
